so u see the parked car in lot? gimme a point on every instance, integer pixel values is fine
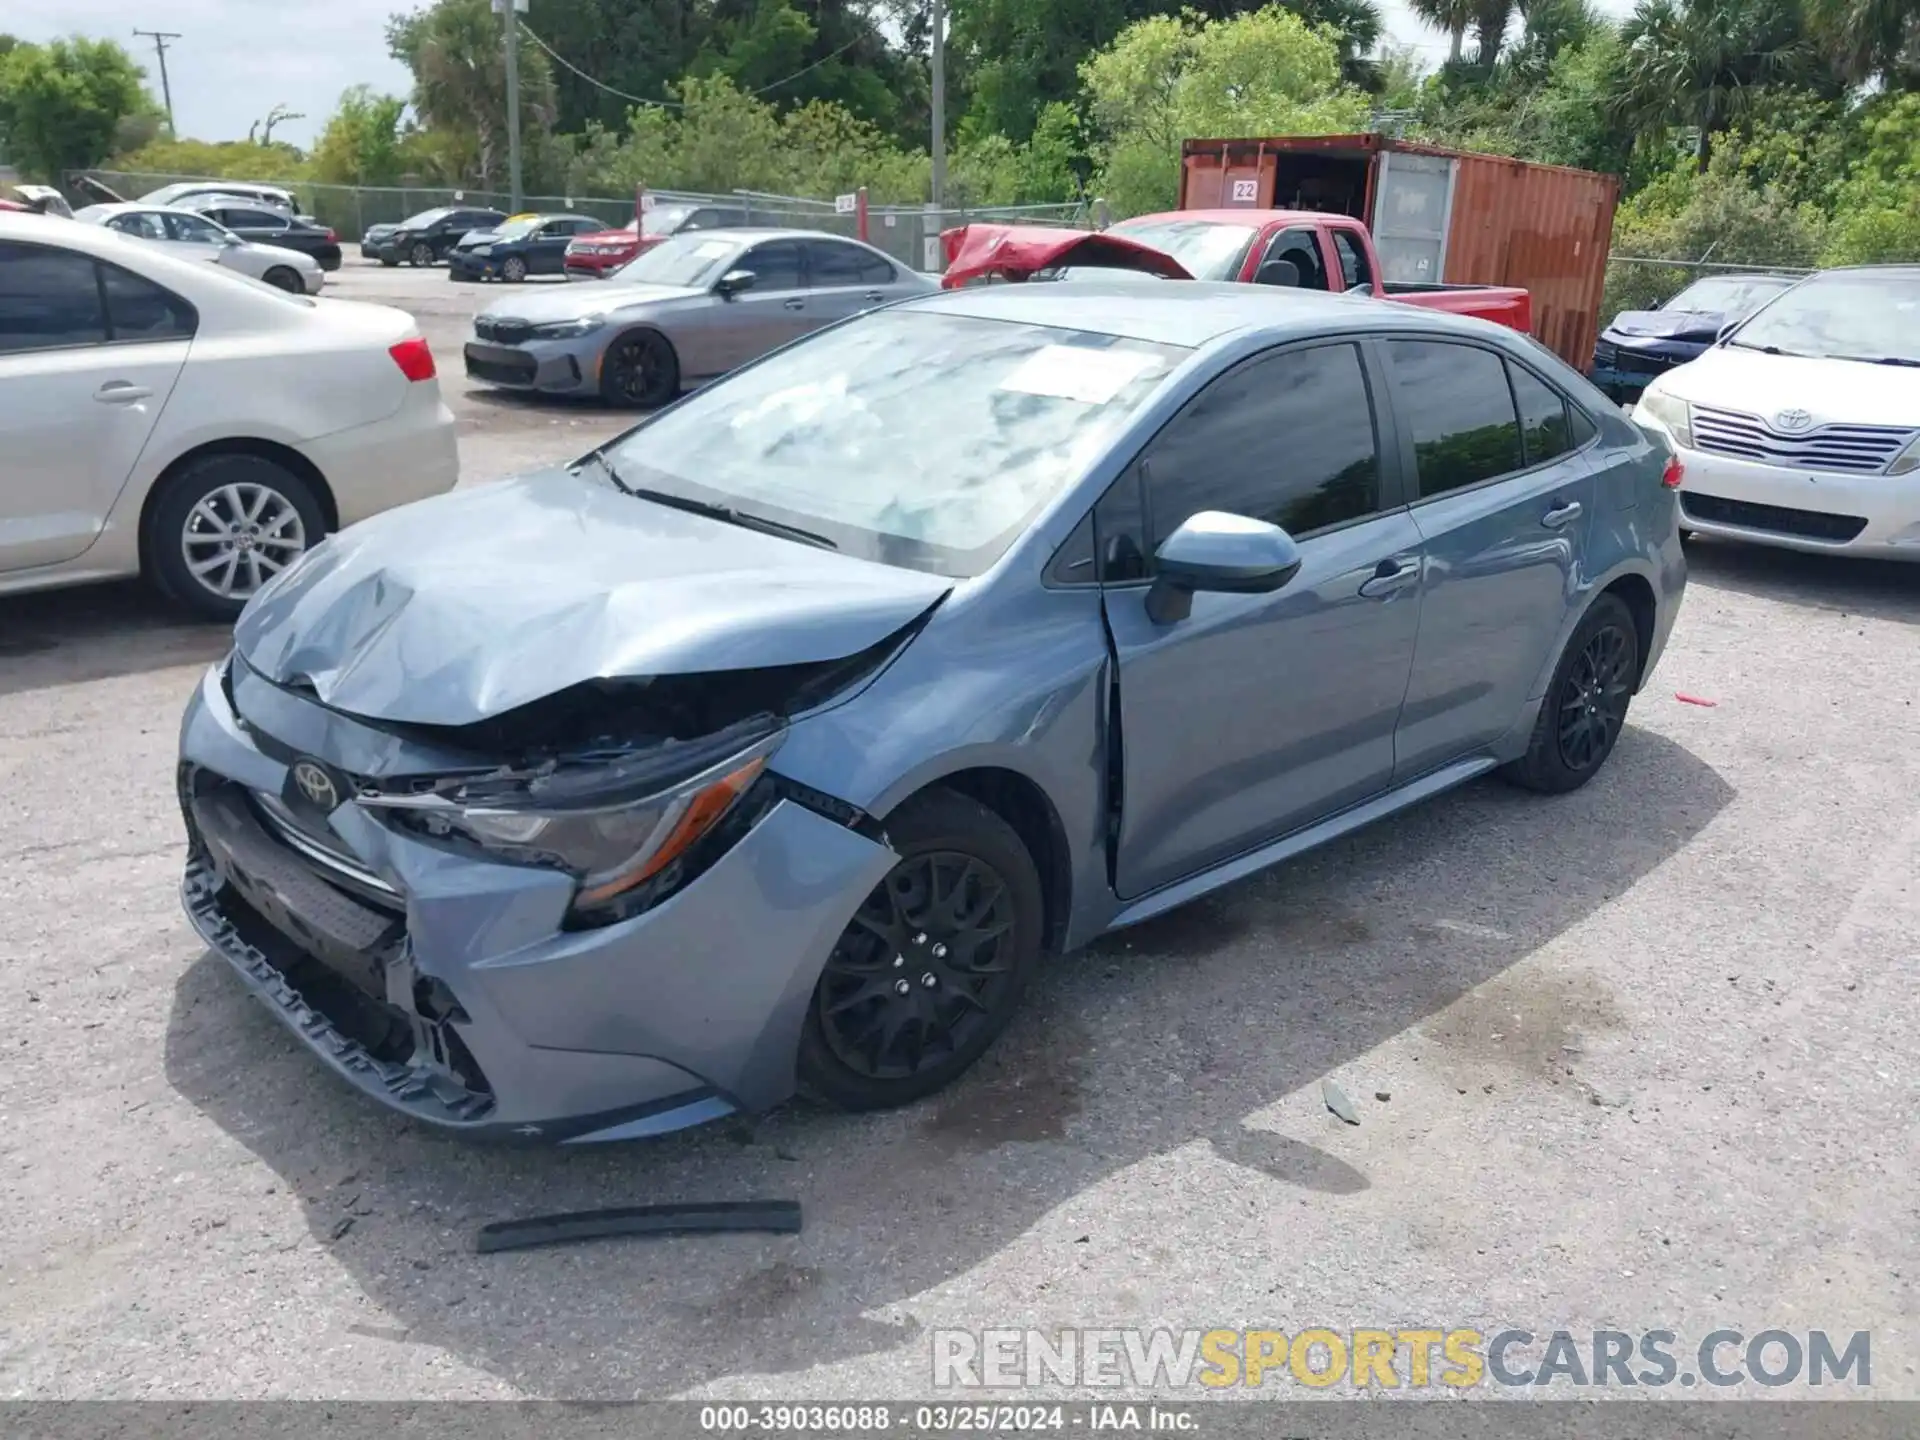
(693, 307)
(275, 197)
(1288, 249)
(521, 246)
(38, 200)
(195, 237)
(425, 239)
(164, 417)
(1640, 344)
(261, 225)
(775, 741)
(1802, 427)
(599, 253)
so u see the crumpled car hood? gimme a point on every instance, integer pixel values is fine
(1665, 325)
(452, 610)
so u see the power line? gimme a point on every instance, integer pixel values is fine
(676, 104)
(160, 39)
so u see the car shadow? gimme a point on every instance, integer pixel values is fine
(96, 632)
(1843, 584)
(521, 400)
(1173, 1034)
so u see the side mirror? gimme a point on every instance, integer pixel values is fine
(1276, 272)
(733, 282)
(1222, 553)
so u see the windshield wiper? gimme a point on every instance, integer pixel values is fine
(745, 519)
(1771, 350)
(598, 461)
(1884, 360)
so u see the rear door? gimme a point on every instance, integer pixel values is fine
(844, 279)
(262, 227)
(88, 355)
(1503, 504)
(773, 312)
(1259, 714)
(195, 236)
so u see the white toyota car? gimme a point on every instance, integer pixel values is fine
(1801, 426)
(164, 417)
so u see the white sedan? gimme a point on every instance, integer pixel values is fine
(195, 237)
(1801, 428)
(166, 418)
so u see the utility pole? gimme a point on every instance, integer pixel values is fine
(939, 103)
(160, 39)
(511, 26)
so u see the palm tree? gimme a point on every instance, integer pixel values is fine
(1358, 24)
(1490, 21)
(1450, 16)
(1695, 62)
(1868, 38)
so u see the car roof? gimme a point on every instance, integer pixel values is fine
(1188, 313)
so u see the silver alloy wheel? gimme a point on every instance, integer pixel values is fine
(239, 537)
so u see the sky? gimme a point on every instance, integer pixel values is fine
(236, 59)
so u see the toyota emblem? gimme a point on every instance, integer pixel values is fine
(315, 784)
(1792, 420)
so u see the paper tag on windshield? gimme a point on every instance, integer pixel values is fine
(1075, 372)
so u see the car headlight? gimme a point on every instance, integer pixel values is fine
(1908, 460)
(613, 827)
(567, 329)
(1672, 412)
(483, 249)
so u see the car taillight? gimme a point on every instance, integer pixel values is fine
(332, 238)
(1674, 473)
(414, 359)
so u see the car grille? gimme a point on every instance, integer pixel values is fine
(1632, 362)
(1779, 519)
(322, 850)
(520, 370)
(501, 332)
(1851, 449)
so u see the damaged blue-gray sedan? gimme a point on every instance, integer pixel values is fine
(773, 744)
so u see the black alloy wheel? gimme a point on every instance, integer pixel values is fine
(640, 371)
(932, 966)
(1585, 707)
(421, 254)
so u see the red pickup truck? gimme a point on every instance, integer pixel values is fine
(1301, 249)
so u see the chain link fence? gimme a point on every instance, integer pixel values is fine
(908, 233)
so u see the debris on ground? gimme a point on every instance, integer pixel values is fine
(1338, 1102)
(781, 1217)
(1686, 699)
(1382, 1096)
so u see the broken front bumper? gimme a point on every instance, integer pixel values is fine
(448, 989)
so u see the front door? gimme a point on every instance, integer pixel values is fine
(194, 236)
(80, 389)
(1259, 714)
(770, 314)
(1504, 501)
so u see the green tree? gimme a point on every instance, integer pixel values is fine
(61, 104)
(1356, 26)
(1450, 17)
(1167, 78)
(457, 54)
(362, 143)
(1697, 62)
(1869, 38)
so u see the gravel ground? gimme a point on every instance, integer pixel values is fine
(1648, 1050)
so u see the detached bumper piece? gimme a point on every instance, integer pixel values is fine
(335, 969)
(776, 1217)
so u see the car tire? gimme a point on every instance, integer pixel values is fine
(421, 255)
(897, 985)
(202, 515)
(513, 270)
(640, 371)
(282, 278)
(1586, 703)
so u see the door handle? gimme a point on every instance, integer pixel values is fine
(1391, 575)
(121, 392)
(1561, 515)
(793, 304)
(875, 296)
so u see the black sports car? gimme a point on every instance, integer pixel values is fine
(425, 239)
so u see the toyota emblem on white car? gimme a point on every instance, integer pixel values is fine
(1792, 420)
(315, 784)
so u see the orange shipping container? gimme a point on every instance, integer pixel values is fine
(1437, 215)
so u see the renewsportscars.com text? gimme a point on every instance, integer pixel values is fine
(1398, 1358)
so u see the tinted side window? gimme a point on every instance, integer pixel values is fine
(256, 219)
(875, 269)
(1454, 399)
(138, 309)
(829, 264)
(1583, 428)
(145, 224)
(48, 298)
(1120, 531)
(1354, 269)
(1543, 416)
(775, 265)
(193, 228)
(1287, 438)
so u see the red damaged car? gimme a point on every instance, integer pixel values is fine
(1303, 249)
(600, 253)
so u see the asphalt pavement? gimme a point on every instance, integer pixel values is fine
(1638, 1058)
